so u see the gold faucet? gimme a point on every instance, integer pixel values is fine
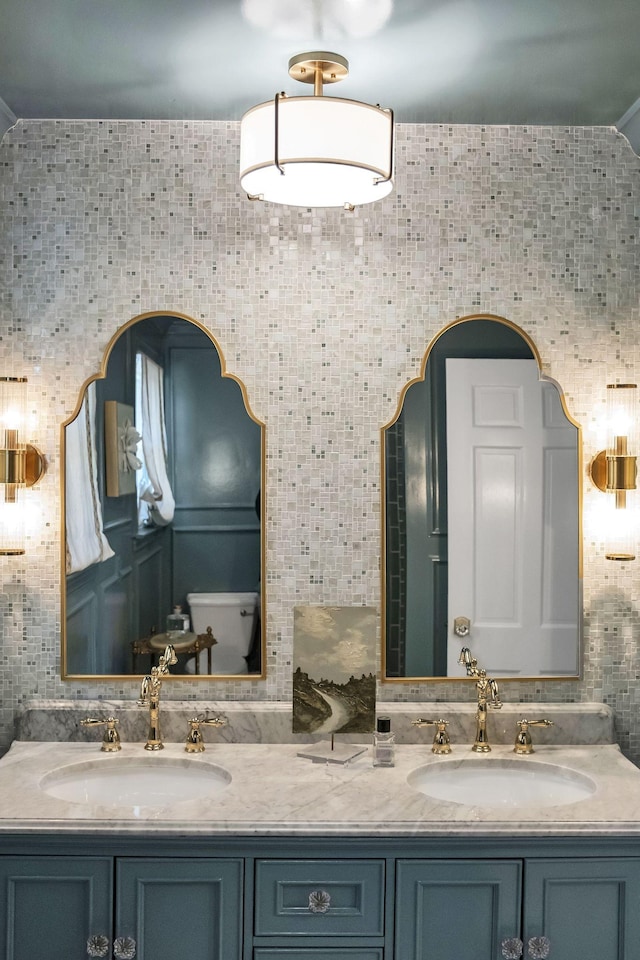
(524, 744)
(488, 696)
(150, 696)
(111, 738)
(441, 741)
(194, 742)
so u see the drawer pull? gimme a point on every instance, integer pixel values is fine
(124, 948)
(319, 901)
(97, 946)
(512, 948)
(539, 948)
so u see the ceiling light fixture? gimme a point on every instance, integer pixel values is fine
(317, 151)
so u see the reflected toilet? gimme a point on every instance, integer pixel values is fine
(232, 618)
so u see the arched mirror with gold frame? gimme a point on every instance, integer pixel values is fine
(481, 513)
(163, 506)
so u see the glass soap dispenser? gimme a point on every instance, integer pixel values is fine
(384, 744)
(177, 622)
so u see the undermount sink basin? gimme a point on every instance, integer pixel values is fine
(145, 781)
(502, 783)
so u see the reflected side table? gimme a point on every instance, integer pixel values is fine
(188, 643)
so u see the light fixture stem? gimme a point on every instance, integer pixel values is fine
(621, 446)
(276, 149)
(391, 143)
(317, 80)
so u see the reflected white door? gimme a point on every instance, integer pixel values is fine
(513, 520)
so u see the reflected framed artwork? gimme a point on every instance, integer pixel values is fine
(120, 442)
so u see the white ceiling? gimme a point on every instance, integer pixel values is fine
(568, 62)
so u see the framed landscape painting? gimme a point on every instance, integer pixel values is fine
(334, 669)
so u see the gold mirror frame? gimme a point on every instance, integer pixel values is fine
(101, 375)
(383, 499)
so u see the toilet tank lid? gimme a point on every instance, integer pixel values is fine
(222, 599)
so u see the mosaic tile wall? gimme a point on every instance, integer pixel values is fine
(324, 315)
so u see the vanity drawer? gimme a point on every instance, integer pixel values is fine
(293, 953)
(326, 898)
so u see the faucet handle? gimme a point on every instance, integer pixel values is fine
(441, 741)
(194, 742)
(168, 658)
(111, 739)
(524, 743)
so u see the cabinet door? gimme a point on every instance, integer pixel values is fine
(50, 906)
(454, 909)
(587, 908)
(177, 907)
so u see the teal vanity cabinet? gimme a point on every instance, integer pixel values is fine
(452, 909)
(197, 897)
(51, 906)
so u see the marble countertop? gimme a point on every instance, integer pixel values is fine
(273, 791)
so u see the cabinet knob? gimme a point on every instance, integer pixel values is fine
(124, 948)
(539, 948)
(512, 948)
(97, 946)
(319, 901)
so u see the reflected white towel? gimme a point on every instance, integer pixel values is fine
(86, 542)
(154, 486)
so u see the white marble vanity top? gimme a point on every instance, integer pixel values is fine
(272, 791)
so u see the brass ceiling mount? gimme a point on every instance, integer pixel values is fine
(318, 67)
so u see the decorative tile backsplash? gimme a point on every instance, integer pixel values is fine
(325, 316)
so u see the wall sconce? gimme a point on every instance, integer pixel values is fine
(614, 470)
(21, 464)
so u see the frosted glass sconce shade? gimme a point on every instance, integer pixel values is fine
(614, 470)
(21, 464)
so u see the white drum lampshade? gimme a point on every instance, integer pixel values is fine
(317, 151)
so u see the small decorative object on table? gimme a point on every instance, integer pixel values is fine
(177, 622)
